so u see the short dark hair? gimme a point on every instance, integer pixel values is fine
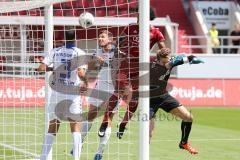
(162, 53)
(70, 35)
(213, 24)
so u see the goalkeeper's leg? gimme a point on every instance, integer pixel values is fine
(152, 114)
(151, 128)
(186, 127)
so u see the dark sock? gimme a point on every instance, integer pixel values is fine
(132, 107)
(186, 129)
(103, 126)
(104, 123)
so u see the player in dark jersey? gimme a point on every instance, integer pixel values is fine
(127, 77)
(160, 98)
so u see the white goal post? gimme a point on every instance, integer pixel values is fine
(28, 90)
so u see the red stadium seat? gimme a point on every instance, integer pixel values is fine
(124, 13)
(69, 5)
(72, 12)
(14, 13)
(6, 14)
(100, 13)
(110, 2)
(112, 12)
(35, 12)
(76, 12)
(133, 4)
(82, 3)
(123, 6)
(57, 6)
(122, 2)
(58, 13)
(98, 3)
(22, 13)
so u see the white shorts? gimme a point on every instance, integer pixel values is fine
(55, 99)
(98, 97)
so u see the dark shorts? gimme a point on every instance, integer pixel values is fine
(165, 102)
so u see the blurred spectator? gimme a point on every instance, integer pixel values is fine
(235, 40)
(213, 32)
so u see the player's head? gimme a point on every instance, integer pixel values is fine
(164, 55)
(152, 15)
(105, 38)
(214, 25)
(70, 36)
(237, 27)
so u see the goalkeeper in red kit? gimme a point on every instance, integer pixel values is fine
(127, 75)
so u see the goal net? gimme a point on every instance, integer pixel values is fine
(22, 92)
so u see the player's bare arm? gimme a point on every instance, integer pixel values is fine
(83, 76)
(161, 45)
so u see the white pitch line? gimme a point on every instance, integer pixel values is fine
(20, 150)
(199, 140)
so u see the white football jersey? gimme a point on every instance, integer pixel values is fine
(66, 61)
(106, 70)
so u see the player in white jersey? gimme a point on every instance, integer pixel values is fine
(104, 88)
(104, 79)
(67, 80)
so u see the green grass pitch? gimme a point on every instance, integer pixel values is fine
(215, 133)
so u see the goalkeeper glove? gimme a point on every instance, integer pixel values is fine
(181, 59)
(194, 60)
(178, 60)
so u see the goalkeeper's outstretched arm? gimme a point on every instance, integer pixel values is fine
(164, 57)
(182, 59)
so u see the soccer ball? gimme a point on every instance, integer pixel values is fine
(86, 20)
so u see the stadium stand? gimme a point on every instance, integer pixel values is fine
(177, 14)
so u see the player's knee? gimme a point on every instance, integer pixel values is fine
(191, 117)
(150, 134)
(188, 118)
(151, 127)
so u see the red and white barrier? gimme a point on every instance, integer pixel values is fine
(190, 92)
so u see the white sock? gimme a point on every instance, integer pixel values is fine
(77, 145)
(86, 126)
(104, 140)
(47, 145)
